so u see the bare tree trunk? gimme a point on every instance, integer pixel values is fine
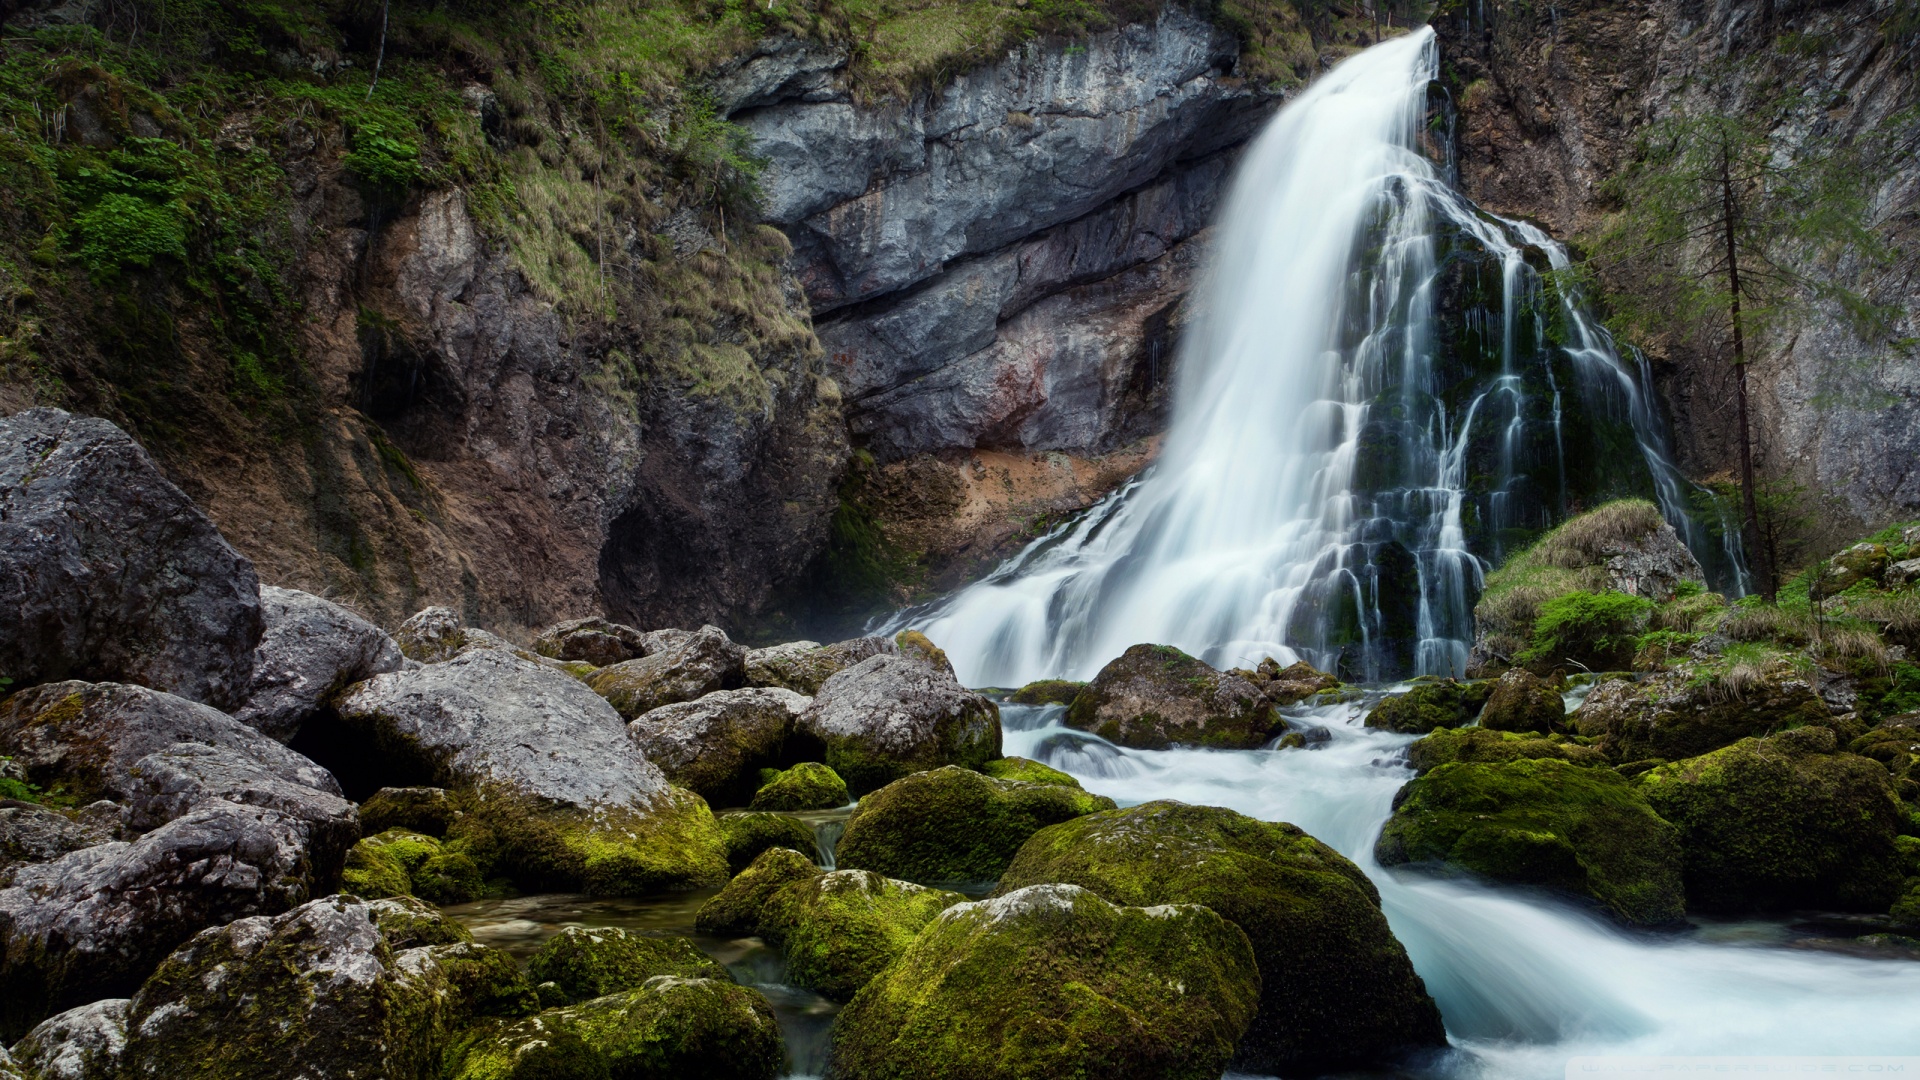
(1751, 524)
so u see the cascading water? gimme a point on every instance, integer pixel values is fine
(1370, 403)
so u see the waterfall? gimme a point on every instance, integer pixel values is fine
(1368, 409)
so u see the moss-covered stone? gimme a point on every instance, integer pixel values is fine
(896, 714)
(736, 911)
(750, 834)
(1781, 823)
(1547, 823)
(673, 844)
(807, 786)
(407, 922)
(670, 1029)
(1054, 981)
(1337, 988)
(1678, 714)
(486, 982)
(839, 930)
(428, 810)
(589, 962)
(1447, 745)
(1048, 692)
(1895, 743)
(1028, 771)
(1522, 701)
(1288, 685)
(1152, 697)
(954, 824)
(1431, 704)
(402, 863)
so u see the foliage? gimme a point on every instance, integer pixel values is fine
(1785, 510)
(1595, 629)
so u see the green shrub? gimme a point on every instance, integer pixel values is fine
(385, 164)
(1595, 629)
(126, 230)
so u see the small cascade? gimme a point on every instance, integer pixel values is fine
(1385, 391)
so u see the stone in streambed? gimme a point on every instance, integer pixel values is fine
(697, 665)
(804, 666)
(311, 649)
(1522, 701)
(1546, 823)
(1288, 685)
(736, 911)
(586, 963)
(750, 833)
(1153, 697)
(892, 715)
(1448, 745)
(1028, 771)
(839, 929)
(1337, 988)
(954, 824)
(1440, 703)
(401, 863)
(1053, 980)
(807, 786)
(716, 746)
(1048, 692)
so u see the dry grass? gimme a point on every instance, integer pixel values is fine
(1846, 645)
(1769, 622)
(1593, 536)
(1736, 682)
(1571, 558)
(1896, 614)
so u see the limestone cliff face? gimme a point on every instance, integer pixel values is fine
(1549, 101)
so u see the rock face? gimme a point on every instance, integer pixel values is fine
(1154, 696)
(954, 825)
(310, 650)
(802, 666)
(1053, 980)
(716, 745)
(691, 667)
(1782, 823)
(84, 1043)
(1335, 987)
(1546, 823)
(109, 572)
(891, 715)
(839, 930)
(34, 834)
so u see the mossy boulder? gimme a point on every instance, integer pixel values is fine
(485, 982)
(954, 824)
(590, 962)
(686, 669)
(1288, 685)
(1337, 988)
(1028, 771)
(408, 922)
(838, 930)
(1447, 745)
(802, 666)
(1547, 823)
(1677, 714)
(1781, 823)
(1048, 692)
(717, 745)
(670, 843)
(736, 911)
(1522, 701)
(1431, 704)
(1895, 743)
(896, 714)
(1861, 562)
(1055, 981)
(1153, 697)
(750, 834)
(428, 810)
(402, 863)
(670, 1029)
(807, 786)
(83, 1043)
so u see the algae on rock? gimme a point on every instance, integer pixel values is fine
(954, 825)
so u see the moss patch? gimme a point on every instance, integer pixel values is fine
(587, 963)
(839, 930)
(1048, 692)
(1447, 745)
(750, 834)
(736, 911)
(1027, 771)
(807, 786)
(1431, 704)
(402, 863)
(609, 851)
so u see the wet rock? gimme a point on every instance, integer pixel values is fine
(1336, 988)
(311, 649)
(838, 930)
(1673, 715)
(1440, 703)
(108, 572)
(1521, 701)
(1545, 823)
(954, 824)
(807, 786)
(1447, 745)
(85, 739)
(1048, 692)
(428, 810)
(315, 992)
(802, 666)
(93, 923)
(750, 834)
(587, 963)
(736, 910)
(1153, 697)
(1781, 823)
(1288, 685)
(717, 745)
(895, 714)
(594, 641)
(670, 1029)
(401, 863)
(1072, 984)
(699, 664)
(84, 1043)
(31, 834)
(1027, 771)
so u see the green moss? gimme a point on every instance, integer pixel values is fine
(1048, 692)
(380, 865)
(1027, 771)
(1521, 702)
(838, 930)
(406, 922)
(587, 963)
(1055, 982)
(750, 834)
(1571, 558)
(954, 825)
(1447, 745)
(1430, 705)
(672, 845)
(1782, 823)
(1337, 989)
(807, 786)
(486, 982)
(736, 911)
(1596, 630)
(1547, 823)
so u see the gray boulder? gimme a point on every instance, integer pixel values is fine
(93, 923)
(594, 641)
(84, 739)
(31, 834)
(84, 1043)
(676, 668)
(311, 649)
(895, 714)
(717, 744)
(109, 571)
(802, 666)
(185, 776)
(431, 635)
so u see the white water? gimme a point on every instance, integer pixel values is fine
(1247, 533)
